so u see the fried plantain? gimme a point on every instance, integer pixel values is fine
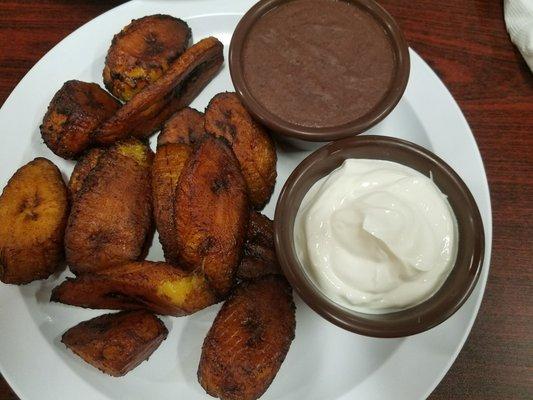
(142, 52)
(155, 286)
(146, 112)
(169, 161)
(75, 111)
(211, 213)
(249, 340)
(82, 168)
(33, 211)
(225, 116)
(186, 126)
(203, 62)
(259, 257)
(111, 217)
(116, 343)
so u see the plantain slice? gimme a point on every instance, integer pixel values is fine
(226, 117)
(249, 340)
(82, 168)
(116, 343)
(142, 52)
(211, 213)
(259, 257)
(154, 286)
(206, 67)
(111, 217)
(186, 126)
(33, 214)
(151, 107)
(74, 112)
(169, 161)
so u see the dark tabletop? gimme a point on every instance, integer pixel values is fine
(466, 43)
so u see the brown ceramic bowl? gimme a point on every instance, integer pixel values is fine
(455, 289)
(298, 134)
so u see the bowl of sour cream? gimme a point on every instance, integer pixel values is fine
(379, 236)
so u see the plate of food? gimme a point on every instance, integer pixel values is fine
(144, 159)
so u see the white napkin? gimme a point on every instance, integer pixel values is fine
(519, 21)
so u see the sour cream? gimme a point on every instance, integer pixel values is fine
(376, 236)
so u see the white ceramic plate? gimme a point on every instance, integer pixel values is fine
(324, 362)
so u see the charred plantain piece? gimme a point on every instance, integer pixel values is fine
(116, 343)
(226, 117)
(111, 216)
(75, 111)
(155, 286)
(173, 152)
(249, 340)
(33, 215)
(259, 256)
(82, 168)
(203, 60)
(253, 268)
(211, 213)
(186, 126)
(142, 52)
(169, 161)
(146, 112)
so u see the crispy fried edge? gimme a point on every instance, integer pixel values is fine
(164, 185)
(186, 126)
(82, 168)
(259, 256)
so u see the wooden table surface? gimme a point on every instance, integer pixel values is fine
(466, 43)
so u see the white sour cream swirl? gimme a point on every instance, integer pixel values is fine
(376, 236)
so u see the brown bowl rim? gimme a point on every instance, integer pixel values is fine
(421, 317)
(322, 134)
